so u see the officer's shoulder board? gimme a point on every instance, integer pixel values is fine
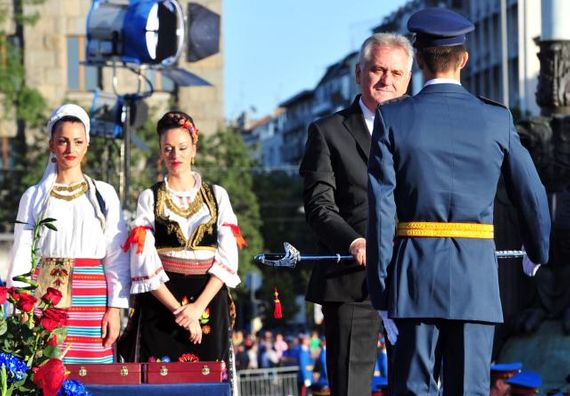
(395, 100)
(492, 102)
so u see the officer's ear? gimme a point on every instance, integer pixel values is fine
(463, 60)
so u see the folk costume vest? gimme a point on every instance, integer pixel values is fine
(168, 234)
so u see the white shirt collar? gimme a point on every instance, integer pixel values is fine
(190, 193)
(368, 116)
(434, 81)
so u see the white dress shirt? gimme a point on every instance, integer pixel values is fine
(368, 116)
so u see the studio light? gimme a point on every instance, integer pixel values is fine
(140, 32)
(203, 32)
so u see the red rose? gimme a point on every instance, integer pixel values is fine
(50, 376)
(52, 296)
(26, 302)
(52, 318)
(52, 341)
(3, 294)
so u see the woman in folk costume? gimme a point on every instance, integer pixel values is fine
(184, 255)
(83, 258)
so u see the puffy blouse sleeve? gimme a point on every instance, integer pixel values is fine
(116, 261)
(147, 272)
(225, 265)
(20, 261)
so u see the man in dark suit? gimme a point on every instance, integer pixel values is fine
(334, 172)
(435, 162)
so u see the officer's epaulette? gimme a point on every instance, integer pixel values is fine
(399, 98)
(492, 102)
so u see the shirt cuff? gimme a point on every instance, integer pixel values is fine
(148, 283)
(225, 273)
(118, 302)
(118, 296)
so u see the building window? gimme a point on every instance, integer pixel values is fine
(79, 77)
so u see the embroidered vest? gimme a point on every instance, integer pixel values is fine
(167, 232)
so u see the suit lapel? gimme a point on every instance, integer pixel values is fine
(356, 126)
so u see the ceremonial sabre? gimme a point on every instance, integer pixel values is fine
(292, 256)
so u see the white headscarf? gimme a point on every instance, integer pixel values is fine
(50, 173)
(34, 201)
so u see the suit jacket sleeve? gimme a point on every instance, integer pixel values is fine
(321, 210)
(529, 196)
(381, 212)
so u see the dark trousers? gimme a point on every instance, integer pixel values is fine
(351, 331)
(457, 352)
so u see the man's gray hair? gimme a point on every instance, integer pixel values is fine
(386, 40)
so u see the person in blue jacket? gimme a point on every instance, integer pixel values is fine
(435, 161)
(320, 375)
(305, 362)
(381, 366)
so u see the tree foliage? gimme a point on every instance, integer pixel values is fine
(23, 105)
(281, 206)
(223, 159)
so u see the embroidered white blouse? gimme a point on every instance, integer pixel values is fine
(81, 233)
(146, 268)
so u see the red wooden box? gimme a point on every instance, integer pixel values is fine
(106, 374)
(183, 372)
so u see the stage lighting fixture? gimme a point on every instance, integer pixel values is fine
(203, 32)
(184, 78)
(149, 32)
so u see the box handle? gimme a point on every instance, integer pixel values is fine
(82, 371)
(205, 370)
(124, 371)
(163, 371)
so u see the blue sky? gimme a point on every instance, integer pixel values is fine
(274, 49)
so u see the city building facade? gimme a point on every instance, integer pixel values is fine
(482, 76)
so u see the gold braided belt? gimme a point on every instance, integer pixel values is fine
(445, 230)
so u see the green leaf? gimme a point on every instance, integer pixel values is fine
(3, 378)
(47, 220)
(50, 226)
(22, 278)
(60, 333)
(52, 351)
(3, 327)
(19, 222)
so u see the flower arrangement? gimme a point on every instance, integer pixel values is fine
(30, 333)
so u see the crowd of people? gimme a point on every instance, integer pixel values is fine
(268, 349)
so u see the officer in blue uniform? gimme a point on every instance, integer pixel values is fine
(525, 383)
(500, 373)
(435, 162)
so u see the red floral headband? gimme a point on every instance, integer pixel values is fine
(186, 124)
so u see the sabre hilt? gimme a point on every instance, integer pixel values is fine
(291, 257)
(271, 259)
